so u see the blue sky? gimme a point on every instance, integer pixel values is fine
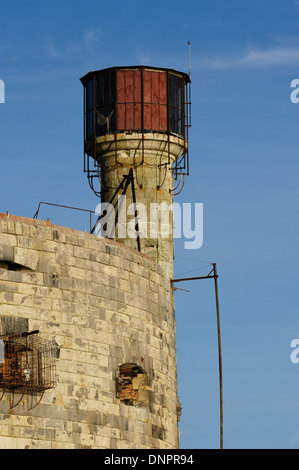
(244, 169)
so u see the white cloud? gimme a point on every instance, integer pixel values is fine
(143, 56)
(74, 46)
(90, 37)
(52, 50)
(256, 58)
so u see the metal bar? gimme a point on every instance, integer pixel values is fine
(111, 200)
(183, 107)
(12, 404)
(189, 103)
(187, 133)
(142, 113)
(168, 111)
(174, 189)
(134, 202)
(38, 402)
(219, 355)
(4, 388)
(116, 76)
(84, 125)
(125, 97)
(123, 194)
(94, 117)
(182, 187)
(193, 278)
(29, 333)
(215, 277)
(60, 205)
(189, 47)
(36, 214)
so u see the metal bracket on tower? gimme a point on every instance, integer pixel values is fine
(126, 181)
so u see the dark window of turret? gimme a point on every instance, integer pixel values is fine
(100, 104)
(175, 104)
(105, 103)
(89, 108)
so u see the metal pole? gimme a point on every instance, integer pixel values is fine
(131, 176)
(215, 277)
(192, 278)
(219, 354)
(189, 47)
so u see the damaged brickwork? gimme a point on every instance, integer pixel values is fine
(132, 385)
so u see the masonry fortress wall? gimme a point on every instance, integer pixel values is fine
(104, 306)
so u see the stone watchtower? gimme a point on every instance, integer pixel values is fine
(136, 127)
(87, 324)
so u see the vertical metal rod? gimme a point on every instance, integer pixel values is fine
(215, 277)
(116, 115)
(168, 113)
(84, 124)
(189, 47)
(131, 175)
(219, 354)
(94, 118)
(142, 113)
(128, 181)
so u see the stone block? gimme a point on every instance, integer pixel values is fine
(26, 257)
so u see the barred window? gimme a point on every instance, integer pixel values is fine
(89, 97)
(175, 104)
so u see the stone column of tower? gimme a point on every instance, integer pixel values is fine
(136, 121)
(154, 203)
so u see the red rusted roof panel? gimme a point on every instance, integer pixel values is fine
(132, 86)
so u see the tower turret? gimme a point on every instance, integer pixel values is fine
(87, 325)
(136, 145)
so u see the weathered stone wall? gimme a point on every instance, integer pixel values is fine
(150, 157)
(103, 305)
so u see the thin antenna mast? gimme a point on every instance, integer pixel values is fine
(189, 47)
(189, 86)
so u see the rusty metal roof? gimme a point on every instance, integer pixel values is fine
(138, 67)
